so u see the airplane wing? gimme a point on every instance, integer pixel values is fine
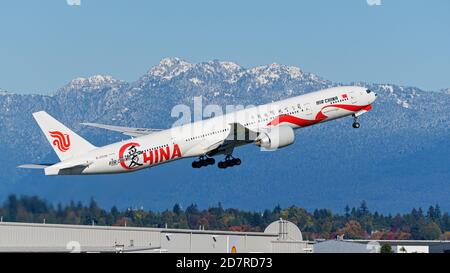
(129, 131)
(34, 166)
(239, 135)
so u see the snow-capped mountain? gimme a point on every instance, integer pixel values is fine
(93, 83)
(398, 159)
(447, 90)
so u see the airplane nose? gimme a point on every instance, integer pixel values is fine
(372, 95)
(375, 96)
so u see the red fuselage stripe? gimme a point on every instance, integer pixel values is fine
(319, 117)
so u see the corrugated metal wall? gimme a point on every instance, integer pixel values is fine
(49, 237)
(61, 237)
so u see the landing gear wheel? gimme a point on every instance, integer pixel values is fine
(355, 124)
(210, 161)
(203, 161)
(229, 161)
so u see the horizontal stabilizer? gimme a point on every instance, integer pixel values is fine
(65, 168)
(59, 168)
(129, 131)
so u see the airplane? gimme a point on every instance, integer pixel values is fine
(270, 126)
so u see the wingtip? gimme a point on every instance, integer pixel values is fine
(88, 124)
(39, 113)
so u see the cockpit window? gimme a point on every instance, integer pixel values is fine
(368, 91)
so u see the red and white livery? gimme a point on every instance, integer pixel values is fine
(270, 126)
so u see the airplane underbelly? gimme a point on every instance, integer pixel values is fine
(332, 113)
(107, 169)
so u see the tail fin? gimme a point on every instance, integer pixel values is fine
(64, 141)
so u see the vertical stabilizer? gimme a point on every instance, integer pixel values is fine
(64, 141)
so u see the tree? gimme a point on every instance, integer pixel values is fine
(445, 222)
(176, 209)
(386, 249)
(298, 216)
(437, 212)
(352, 230)
(347, 212)
(434, 213)
(192, 209)
(363, 210)
(403, 235)
(397, 223)
(277, 209)
(114, 212)
(430, 231)
(431, 214)
(12, 206)
(445, 236)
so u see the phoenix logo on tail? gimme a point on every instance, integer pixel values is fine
(61, 141)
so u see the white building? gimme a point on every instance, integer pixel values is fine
(280, 236)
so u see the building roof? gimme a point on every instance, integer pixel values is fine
(402, 242)
(337, 246)
(172, 230)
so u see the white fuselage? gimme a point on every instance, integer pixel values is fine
(195, 139)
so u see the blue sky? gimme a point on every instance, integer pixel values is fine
(44, 44)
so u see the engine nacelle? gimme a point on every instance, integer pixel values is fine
(276, 137)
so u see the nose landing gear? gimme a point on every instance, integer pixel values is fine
(203, 161)
(355, 124)
(229, 161)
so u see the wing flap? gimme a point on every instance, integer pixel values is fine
(239, 135)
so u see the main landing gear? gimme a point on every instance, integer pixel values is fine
(230, 161)
(355, 124)
(203, 161)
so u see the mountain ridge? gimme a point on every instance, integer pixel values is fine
(406, 122)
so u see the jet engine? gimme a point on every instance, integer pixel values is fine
(276, 137)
